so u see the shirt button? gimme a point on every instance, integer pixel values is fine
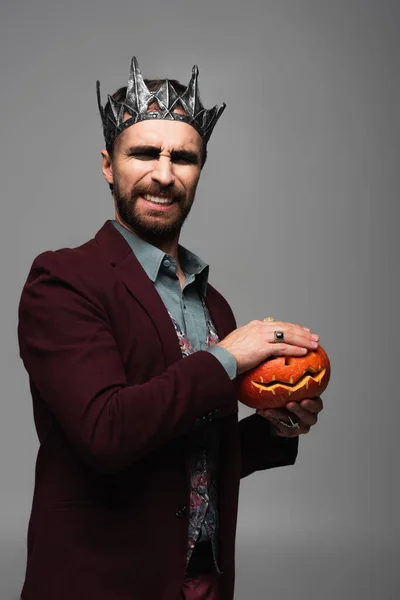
(181, 511)
(166, 262)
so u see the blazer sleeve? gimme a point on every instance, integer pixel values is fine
(260, 449)
(74, 365)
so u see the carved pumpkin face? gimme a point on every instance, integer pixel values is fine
(279, 380)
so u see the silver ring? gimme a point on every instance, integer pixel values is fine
(279, 336)
(291, 425)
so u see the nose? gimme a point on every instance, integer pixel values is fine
(163, 173)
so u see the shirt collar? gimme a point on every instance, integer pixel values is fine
(151, 258)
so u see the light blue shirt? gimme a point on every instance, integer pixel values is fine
(184, 303)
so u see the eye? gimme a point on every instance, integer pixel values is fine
(181, 158)
(144, 155)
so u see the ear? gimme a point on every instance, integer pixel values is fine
(106, 167)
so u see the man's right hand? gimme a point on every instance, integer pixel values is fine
(253, 343)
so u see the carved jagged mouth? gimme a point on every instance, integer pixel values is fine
(291, 387)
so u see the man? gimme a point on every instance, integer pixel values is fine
(132, 358)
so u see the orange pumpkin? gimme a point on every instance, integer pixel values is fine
(279, 380)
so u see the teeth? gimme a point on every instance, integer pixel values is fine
(157, 200)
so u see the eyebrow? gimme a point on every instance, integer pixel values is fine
(155, 151)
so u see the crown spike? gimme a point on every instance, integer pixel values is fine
(115, 108)
(131, 90)
(163, 95)
(101, 109)
(166, 96)
(212, 120)
(190, 97)
(137, 93)
(174, 97)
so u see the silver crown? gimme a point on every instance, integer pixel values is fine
(138, 99)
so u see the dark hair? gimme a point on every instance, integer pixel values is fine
(153, 85)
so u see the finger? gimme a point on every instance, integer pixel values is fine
(301, 326)
(276, 415)
(295, 327)
(314, 405)
(273, 414)
(282, 349)
(288, 432)
(294, 335)
(303, 416)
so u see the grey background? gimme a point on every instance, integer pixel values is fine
(297, 212)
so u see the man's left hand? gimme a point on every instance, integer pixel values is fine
(305, 413)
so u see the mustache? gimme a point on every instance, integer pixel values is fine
(156, 190)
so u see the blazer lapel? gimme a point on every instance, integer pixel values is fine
(141, 287)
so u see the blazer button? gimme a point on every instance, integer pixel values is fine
(181, 511)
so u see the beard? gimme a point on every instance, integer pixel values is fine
(155, 227)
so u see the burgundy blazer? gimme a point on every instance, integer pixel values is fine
(114, 407)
